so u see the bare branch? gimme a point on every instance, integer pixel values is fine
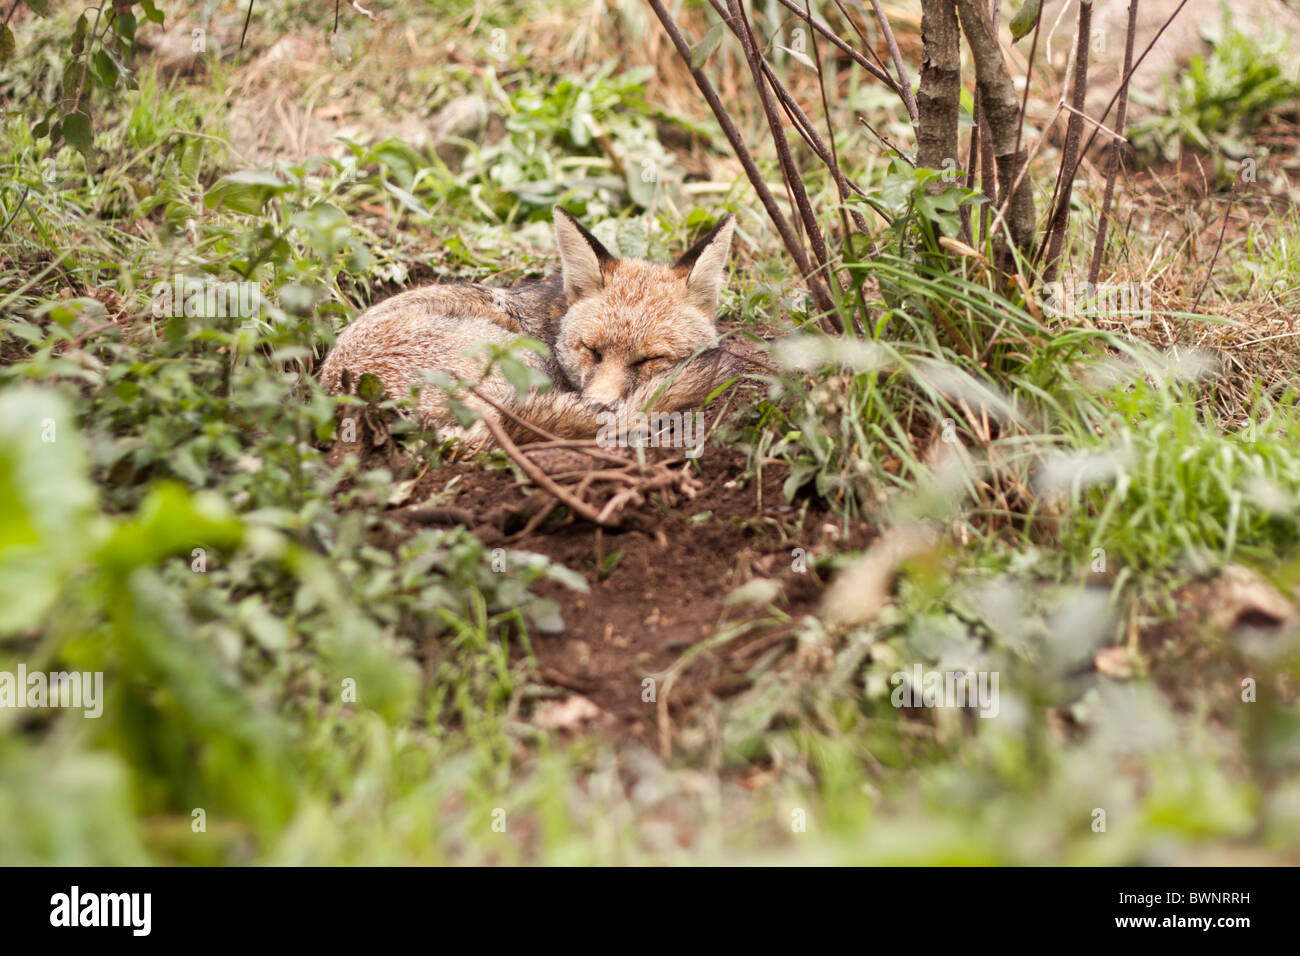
(1116, 147)
(894, 53)
(821, 296)
(1073, 135)
(740, 25)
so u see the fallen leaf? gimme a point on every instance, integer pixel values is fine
(1114, 662)
(567, 714)
(861, 590)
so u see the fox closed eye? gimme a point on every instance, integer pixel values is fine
(651, 321)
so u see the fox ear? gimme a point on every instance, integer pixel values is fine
(705, 264)
(582, 257)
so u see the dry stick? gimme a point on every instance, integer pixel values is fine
(801, 121)
(85, 62)
(1116, 149)
(1209, 274)
(866, 44)
(535, 521)
(535, 472)
(988, 173)
(980, 155)
(1002, 108)
(1124, 85)
(808, 131)
(1073, 135)
(1024, 108)
(740, 26)
(843, 47)
(1127, 76)
(859, 326)
(552, 440)
(792, 244)
(1099, 127)
(604, 518)
(10, 15)
(637, 492)
(999, 216)
(888, 143)
(897, 57)
(604, 474)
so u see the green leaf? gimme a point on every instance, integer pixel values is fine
(48, 513)
(516, 373)
(151, 12)
(170, 522)
(708, 45)
(76, 130)
(7, 44)
(545, 615)
(79, 35)
(609, 564)
(39, 7)
(407, 199)
(191, 153)
(105, 68)
(246, 191)
(1023, 22)
(370, 389)
(124, 25)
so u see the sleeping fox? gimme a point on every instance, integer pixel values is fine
(624, 335)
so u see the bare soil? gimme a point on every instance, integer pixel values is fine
(659, 588)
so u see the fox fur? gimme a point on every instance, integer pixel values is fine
(622, 334)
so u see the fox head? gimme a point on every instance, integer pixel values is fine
(630, 321)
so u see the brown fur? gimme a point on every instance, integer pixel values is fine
(622, 333)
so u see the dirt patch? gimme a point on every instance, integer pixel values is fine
(661, 587)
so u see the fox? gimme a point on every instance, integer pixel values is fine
(621, 335)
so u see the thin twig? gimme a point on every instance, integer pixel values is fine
(1227, 213)
(792, 244)
(249, 16)
(535, 472)
(740, 26)
(859, 326)
(1073, 134)
(1128, 74)
(904, 80)
(1116, 149)
(844, 48)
